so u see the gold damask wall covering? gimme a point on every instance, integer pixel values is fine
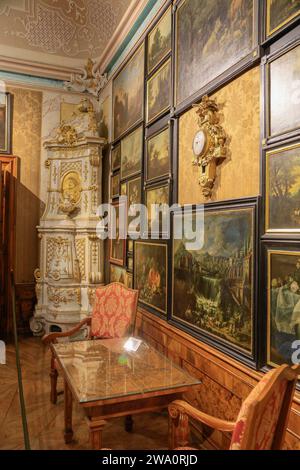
(27, 119)
(238, 176)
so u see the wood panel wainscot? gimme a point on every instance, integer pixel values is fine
(225, 382)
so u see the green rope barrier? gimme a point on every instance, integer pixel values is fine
(18, 363)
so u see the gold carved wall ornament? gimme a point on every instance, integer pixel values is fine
(209, 144)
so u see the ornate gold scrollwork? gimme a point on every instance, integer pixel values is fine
(209, 145)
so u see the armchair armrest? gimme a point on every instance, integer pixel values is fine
(180, 412)
(52, 337)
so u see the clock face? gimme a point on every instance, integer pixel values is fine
(199, 143)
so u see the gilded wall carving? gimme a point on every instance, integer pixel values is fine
(240, 116)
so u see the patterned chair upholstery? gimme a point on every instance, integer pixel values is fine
(261, 423)
(113, 316)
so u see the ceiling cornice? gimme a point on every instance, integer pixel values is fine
(27, 67)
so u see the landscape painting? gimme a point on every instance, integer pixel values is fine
(115, 186)
(159, 41)
(283, 190)
(128, 94)
(158, 196)
(117, 245)
(159, 92)
(211, 37)
(134, 195)
(131, 154)
(213, 286)
(116, 158)
(5, 127)
(150, 266)
(280, 12)
(284, 77)
(158, 155)
(283, 305)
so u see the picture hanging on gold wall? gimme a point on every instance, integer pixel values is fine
(159, 41)
(211, 37)
(117, 245)
(284, 78)
(159, 92)
(151, 274)
(128, 95)
(213, 286)
(134, 195)
(281, 12)
(117, 274)
(283, 304)
(158, 155)
(131, 154)
(283, 190)
(115, 186)
(5, 123)
(157, 221)
(116, 158)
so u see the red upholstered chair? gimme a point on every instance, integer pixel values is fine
(261, 423)
(113, 316)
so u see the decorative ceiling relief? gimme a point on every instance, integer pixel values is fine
(68, 28)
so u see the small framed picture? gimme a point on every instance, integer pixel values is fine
(158, 155)
(115, 186)
(116, 158)
(5, 123)
(117, 244)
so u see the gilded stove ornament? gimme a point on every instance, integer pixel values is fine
(209, 144)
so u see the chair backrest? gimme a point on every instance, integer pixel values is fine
(263, 418)
(114, 311)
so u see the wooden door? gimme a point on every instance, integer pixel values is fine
(7, 242)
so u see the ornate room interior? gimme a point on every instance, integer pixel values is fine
(183, 330)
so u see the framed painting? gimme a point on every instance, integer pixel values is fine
(124, 189)
(283, 275)
(5, 123)
(283, 190)
(117, 274)
(211, 37)
(159, 41)
(129, 281)
(283, 78)
(116, 158)
(115, 186)
(213, 286)
(104, 118)
(158, 221)
(128, 95)
(158, 155)
(159, 92)
(134, 195)
(280, 13)
(151, 274)
(117, 244)
(132, 154)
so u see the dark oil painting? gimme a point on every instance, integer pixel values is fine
(150, 265)
(283, 305)
(134, 195)
(280, 12)
(160, 197)
(117, 245)
(131, 154)
(158, 158)
(211, 37)
(159, 41)
(115, 186)
(159, 92)
(284, 90)
(116, 158)
(128, 94)
(283, 190)
(213, 286)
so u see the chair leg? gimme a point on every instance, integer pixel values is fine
(128, 423)
(53, 380)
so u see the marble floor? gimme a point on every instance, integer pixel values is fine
(46, 421)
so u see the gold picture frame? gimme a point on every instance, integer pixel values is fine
(167, 38)
(282, 23)
(287, 201)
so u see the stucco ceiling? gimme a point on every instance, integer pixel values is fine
(62, 33)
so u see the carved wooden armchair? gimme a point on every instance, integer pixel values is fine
(262, 421)
(113, 316)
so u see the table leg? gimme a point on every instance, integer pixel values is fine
(96, 427)
(68, 414)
